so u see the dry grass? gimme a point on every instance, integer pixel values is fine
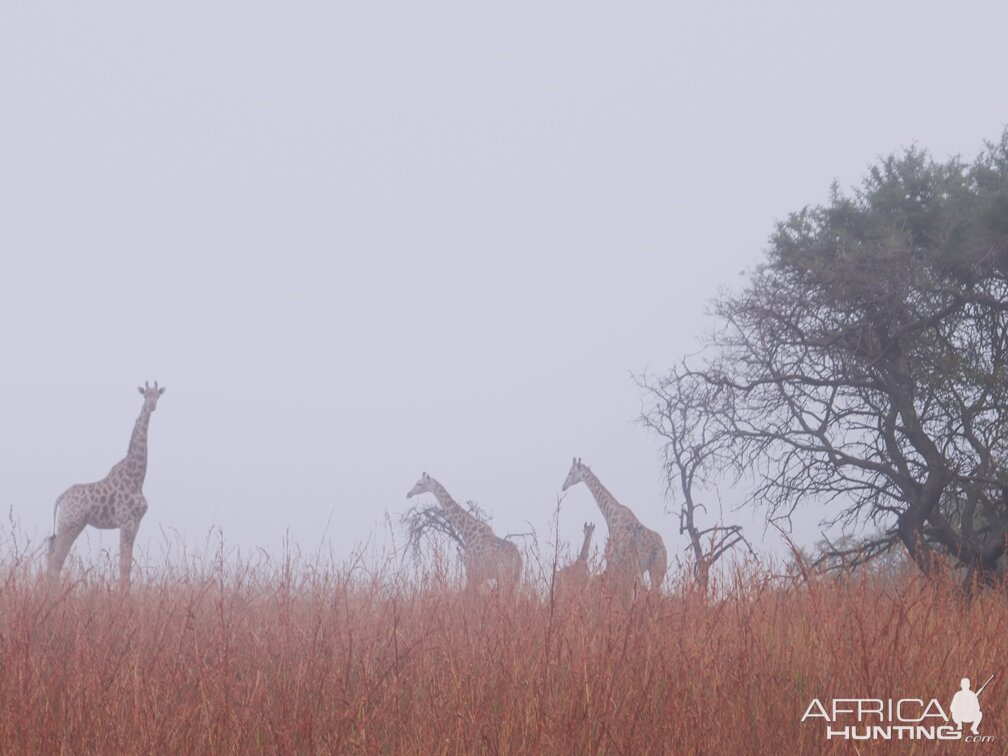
(303, 657)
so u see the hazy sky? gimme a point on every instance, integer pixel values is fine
(360, 241)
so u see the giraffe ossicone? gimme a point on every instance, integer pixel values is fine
(632, 549)
(485, 556)
(115, 501)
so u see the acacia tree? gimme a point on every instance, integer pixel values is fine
(430, 520)
(862, 367)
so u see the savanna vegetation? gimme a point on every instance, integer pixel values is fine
(310, 656)
(860, 370)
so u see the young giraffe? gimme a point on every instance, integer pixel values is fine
(632, 549)
(484, 555)
(116, 501)
(574, 577)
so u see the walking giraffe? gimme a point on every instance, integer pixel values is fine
(484, 555)
(632, 549)
(574, 577)
(116, 501)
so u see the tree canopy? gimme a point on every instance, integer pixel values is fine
(863, 365)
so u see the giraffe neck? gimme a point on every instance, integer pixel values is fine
(466, 525)
(583, 556)
(607, 503)
(135, 466)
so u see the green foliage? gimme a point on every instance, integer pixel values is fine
(864, 366)
(910, 213)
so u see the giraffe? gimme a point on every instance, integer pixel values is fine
(484, 555)
(115, 501)
(574, 577)
(632, 549)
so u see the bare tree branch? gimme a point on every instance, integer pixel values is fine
(864, 369)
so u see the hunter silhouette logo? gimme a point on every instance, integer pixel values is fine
(902, 718)
(965, 706)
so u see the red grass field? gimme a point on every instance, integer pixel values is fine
(303, 658)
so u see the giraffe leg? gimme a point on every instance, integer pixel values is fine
(60, 547)
(644, 562)
(507, 579)
(127, 534)
(657, 563)
(657, 572)
(470, 565)
(618, 575)
(476, 576)
(509, 569)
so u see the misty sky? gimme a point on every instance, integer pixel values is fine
(361, 241)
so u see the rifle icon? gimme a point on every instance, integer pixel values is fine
(984, 685)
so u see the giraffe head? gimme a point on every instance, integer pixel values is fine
(589, 528)
(576, 474)
(150, 394)
(424, 485)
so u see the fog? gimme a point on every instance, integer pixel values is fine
(358, 242)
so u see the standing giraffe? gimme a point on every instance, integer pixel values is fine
(115, 501)
(484, 555)
(574, 577)
(632, 549)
